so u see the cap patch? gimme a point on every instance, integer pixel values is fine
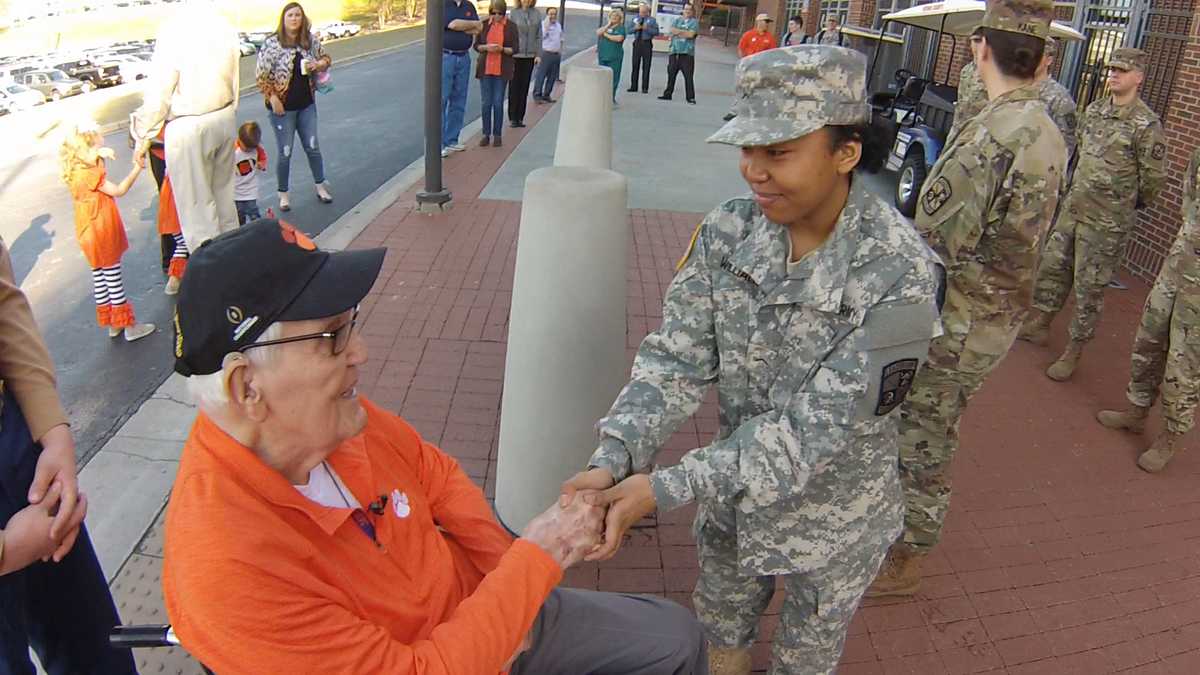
(233, 314)
(293, 236)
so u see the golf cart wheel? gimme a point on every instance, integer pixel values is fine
(912, 177)
(56, 95)
(88, 86)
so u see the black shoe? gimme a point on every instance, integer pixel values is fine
(728, 116)
(692, 101)
(517, 125)
(547, 100)
(632, 91)
(665, 97)
(645, 91)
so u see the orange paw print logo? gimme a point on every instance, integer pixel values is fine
(293, 236)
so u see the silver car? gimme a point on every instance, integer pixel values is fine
(54, 84)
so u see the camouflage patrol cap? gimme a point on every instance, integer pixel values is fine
(1127, 58)
(783, 94)
(1027, 17)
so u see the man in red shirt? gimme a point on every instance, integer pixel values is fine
(759, 38)
(311, 531)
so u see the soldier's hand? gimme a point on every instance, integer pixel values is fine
(592, 479)
(628, 502)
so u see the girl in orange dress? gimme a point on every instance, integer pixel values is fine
(98, 225)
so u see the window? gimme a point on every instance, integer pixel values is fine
(883, 7)
(794, 7)
(835, 8)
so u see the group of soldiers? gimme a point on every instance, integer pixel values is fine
(1018, 225)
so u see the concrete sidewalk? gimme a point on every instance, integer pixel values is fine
(1059, 557)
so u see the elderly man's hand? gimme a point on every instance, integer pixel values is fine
(567, 533)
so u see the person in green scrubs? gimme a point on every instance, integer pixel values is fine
(610, 47)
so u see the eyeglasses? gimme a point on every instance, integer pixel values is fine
(340, 336)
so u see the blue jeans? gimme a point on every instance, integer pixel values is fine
(63, 610)
(546, 75)
(456, 73)
(247, 210)
(286, 127)
(491, 95)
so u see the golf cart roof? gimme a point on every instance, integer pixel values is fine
(961, 17)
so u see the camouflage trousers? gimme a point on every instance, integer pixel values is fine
(817, 606)
(1079, 255)
(1166, 351)
(959, 361)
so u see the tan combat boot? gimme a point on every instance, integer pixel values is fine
(728, 661)
(1161, 451)
(1036, 328)
(1132, 418)
(1062, 369)
(900, 574)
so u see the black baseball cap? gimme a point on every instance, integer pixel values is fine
(239, 283)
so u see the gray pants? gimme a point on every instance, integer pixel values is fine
(591, 633)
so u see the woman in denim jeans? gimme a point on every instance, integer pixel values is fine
(287, 64)
(495, 43)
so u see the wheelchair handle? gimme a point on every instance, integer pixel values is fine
(132, 637)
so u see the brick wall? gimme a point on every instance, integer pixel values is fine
(952, 52)
(1158, 224)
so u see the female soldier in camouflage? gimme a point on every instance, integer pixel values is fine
(810, 305)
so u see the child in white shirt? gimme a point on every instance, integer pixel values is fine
(248, 159)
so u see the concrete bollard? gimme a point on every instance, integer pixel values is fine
(565, 361)
(585, 126)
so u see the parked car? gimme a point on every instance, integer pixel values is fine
(17, 96)
(337, 29)
(53, 84)
(257, 38)
(247, 48)
(131, 67)
(85, 71)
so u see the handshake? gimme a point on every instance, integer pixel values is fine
(590, 519)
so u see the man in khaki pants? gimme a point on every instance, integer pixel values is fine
(194, 88)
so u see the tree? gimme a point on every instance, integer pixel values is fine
(383, 9)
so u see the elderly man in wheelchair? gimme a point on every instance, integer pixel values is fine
(311, 531)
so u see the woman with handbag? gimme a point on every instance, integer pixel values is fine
(289, 64)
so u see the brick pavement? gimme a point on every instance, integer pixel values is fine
(1059, 555)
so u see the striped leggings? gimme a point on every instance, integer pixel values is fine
(112, 307)
(179, 257)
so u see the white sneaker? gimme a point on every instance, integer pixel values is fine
(457, 147)
(138, 332)
(173, 284)
(113, 332)
(446, 152)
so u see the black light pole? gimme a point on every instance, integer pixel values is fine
(435, 197)
(562, 14)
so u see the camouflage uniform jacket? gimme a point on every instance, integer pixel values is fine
(1183, 261)
(1120, 166)
(989, 200)
(1062, 110)
(972, 97)
(808, 364)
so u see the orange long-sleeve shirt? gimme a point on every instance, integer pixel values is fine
(259, 579)
(753, 42)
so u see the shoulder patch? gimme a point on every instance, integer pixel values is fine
(936, 196)
(1159, 151)
(894, 384)
(691, 245)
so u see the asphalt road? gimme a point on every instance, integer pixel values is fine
(371, 127)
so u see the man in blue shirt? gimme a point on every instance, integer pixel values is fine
(683, 55)
(642, 30)
(461, 23)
